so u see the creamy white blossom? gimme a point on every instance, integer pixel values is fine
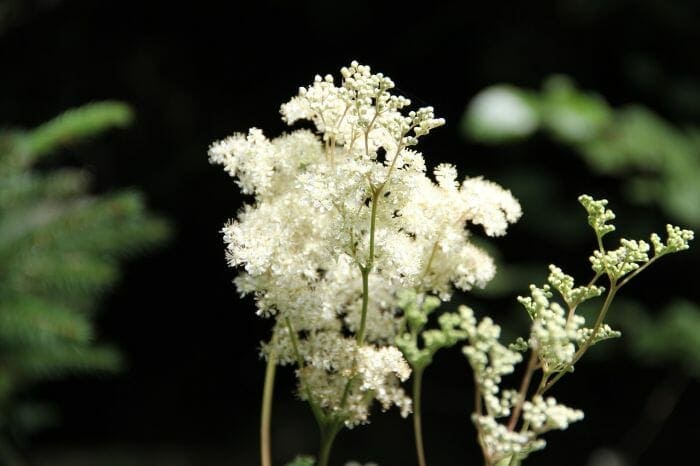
(349, 205)
(553, 335)
(500, 442)
(546, 414)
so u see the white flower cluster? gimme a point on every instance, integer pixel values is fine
(490, 361)
(500, 442)
(552, 335)
(546, 414)
(374, 365)
(605, 332)
(343, 219)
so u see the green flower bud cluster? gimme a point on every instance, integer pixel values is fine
(621, 261)
(632, 255)
(598, 215)
(417, 308)
(564, 284)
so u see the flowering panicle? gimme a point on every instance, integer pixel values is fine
(341, 220)
(545, 414)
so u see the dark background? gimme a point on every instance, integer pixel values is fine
(197, 72)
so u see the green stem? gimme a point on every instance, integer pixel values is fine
(366, 269)
(318, 413)
(365, 303)
(582, 350)
(266, 412)
(638, 271)
(417, 426)
(328, 433)
(522, 393)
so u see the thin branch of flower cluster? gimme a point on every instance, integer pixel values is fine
(558, 339)
(347, 245)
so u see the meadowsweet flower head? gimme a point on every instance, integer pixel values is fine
(339, 222)
(546, 414)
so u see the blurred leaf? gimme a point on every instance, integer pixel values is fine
(500, 114)
(71, 127)
(572, 116)
(671, 338)
(658, 162)
(59, 248)
(27, 322)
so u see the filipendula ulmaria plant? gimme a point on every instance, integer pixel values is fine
(60, 248)
(341, 222)
(348, 246)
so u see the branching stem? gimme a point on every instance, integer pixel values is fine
(522, 393)
(582, 350)
(318, 413)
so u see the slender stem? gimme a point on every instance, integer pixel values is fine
(428, 264)
(522, 393)
(582, 350)
(478, 410)
(373, 227)
(614, 288)
(417, 426)
(638, 271)
(328, 433)
(365, 303)
(266, 411)
(318, 413)
(365, 271)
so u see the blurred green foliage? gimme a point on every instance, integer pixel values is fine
(657, 163)
(672, 337)
(60, 248)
